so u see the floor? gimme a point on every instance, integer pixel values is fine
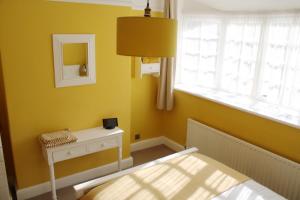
(139, 157)
(146, 155)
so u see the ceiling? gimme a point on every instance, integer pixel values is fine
(251, 5)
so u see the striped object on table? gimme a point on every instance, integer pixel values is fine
(57, 138)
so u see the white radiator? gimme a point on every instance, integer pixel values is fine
(275, 172)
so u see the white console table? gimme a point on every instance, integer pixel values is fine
(89, 141)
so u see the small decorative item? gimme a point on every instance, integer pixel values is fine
(57, 138)
(83, 70)
(110, 123)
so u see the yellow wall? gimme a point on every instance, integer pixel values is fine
(35, 105)
(273, 136)
(75, 54)
(145, 118)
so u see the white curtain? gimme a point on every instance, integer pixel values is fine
(280, 75)
(165, 96)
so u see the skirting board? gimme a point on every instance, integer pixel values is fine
(145, 144)
(73, 179)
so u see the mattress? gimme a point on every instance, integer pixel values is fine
(190, 176)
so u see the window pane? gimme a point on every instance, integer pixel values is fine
(199, 46)
(294, 97)
(209, 31)
(273, 67)
(240, 55)
(291, 87)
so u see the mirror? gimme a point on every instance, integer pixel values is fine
(74, 59)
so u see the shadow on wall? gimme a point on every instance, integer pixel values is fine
(5, 136)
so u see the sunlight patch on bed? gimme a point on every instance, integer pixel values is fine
(188, 177)
(192, 165)
(152, 173)
(220, 181)
(144, 195)
(227, 182)
(171, 183)
(120, 189)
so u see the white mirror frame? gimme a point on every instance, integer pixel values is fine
(58, 41)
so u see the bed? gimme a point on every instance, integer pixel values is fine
(183, 175)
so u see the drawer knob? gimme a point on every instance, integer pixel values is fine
(102, 145)
(69, 153)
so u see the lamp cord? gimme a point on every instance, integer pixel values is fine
(147, 10)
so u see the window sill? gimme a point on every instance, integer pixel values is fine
(281, 115)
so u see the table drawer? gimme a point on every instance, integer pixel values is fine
(69, 153)
(101, 145)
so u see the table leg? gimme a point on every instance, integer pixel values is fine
(52, 179)
(120, 154)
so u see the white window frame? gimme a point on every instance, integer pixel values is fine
(282, 116)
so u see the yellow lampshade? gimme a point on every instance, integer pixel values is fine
(146, 36)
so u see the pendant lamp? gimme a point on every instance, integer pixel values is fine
(146, 36)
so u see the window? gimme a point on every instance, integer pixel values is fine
(251, 62)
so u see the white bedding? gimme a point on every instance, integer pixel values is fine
(249, 190)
